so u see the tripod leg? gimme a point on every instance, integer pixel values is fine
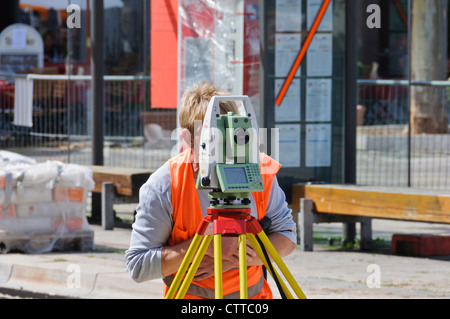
(257, 247)
(196, 262)
(272, 251)
(243, 266)
(184, 266)
(218, 266)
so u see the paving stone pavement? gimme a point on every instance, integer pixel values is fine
(325, 273)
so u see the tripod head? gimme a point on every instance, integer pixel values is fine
(229, 153)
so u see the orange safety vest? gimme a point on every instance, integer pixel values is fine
(187, 215)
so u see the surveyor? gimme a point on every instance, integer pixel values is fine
(171, 208)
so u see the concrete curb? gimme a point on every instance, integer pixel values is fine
(73, 281)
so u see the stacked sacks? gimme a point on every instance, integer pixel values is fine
(43, 205)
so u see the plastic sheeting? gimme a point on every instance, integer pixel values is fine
(43, 205)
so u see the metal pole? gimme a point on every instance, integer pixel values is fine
(350, 95)
(146, 66)
(409, 89)
(263, 70)
(349, 229)
(97, 112)
(97, 82)
(68, 86)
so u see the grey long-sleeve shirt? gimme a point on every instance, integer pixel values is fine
(153, 225)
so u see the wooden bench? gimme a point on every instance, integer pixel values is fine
(116, 185)
(352, 204)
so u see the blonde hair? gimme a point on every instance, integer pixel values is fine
(194, 104)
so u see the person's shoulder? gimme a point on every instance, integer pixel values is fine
(159, 180)
(268, 165)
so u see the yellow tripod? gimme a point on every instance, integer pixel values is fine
(231, 222)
